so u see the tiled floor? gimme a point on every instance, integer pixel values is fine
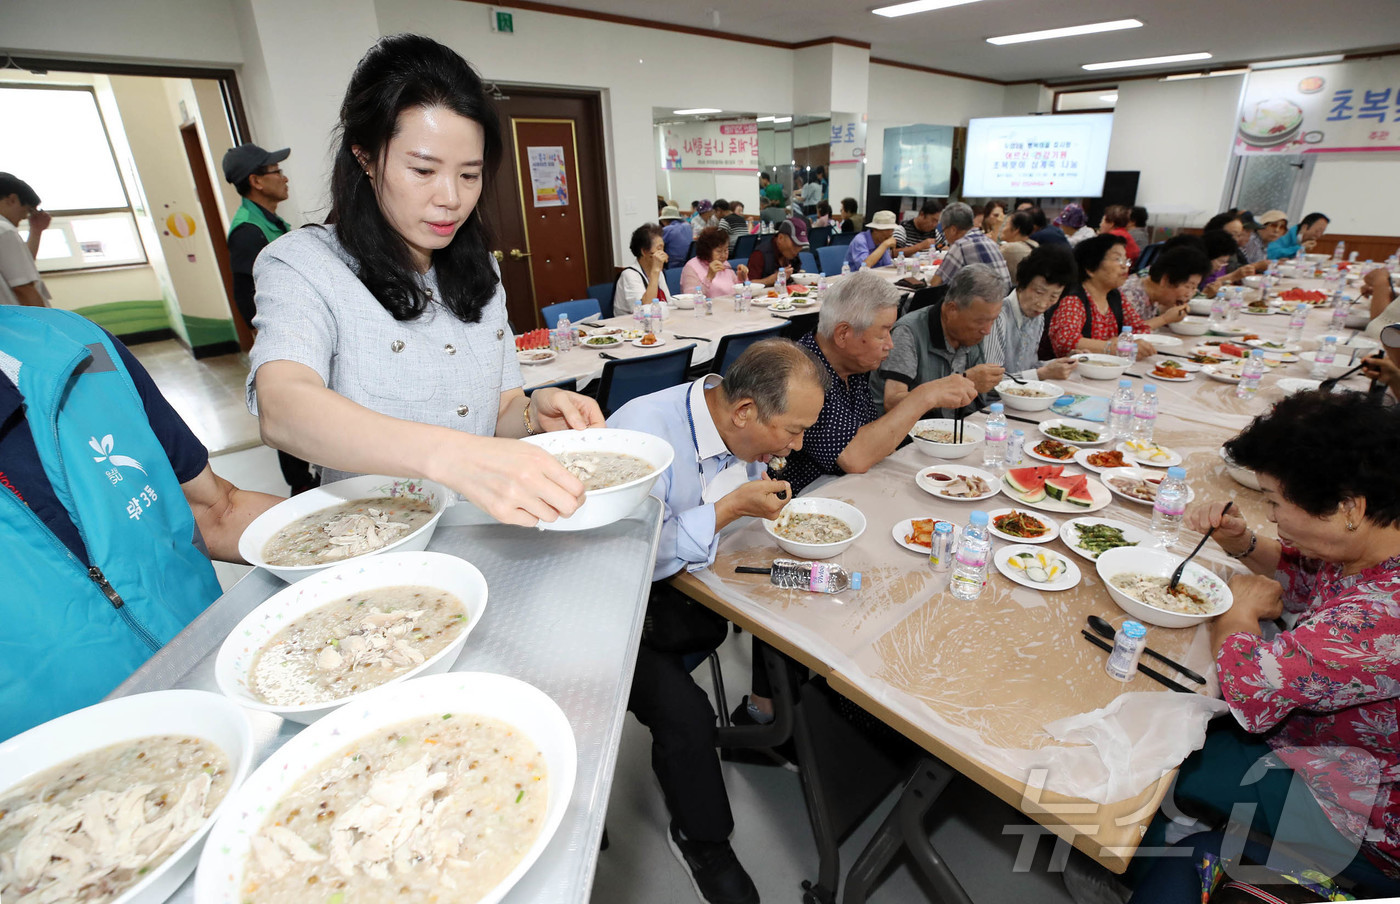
(977, 834)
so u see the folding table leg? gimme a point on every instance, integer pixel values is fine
(904, 828)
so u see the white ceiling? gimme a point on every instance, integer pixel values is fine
(954, 39)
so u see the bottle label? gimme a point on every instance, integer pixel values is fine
(1170, 507)
(972, 558)
(821, 577)
(995, 433)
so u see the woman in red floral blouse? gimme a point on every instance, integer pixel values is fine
(1322, 697)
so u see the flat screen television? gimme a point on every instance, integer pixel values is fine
(1037, 156)
(917, 162)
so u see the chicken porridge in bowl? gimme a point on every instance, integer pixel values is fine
(600, 470)
(350, 529)
(355, 643)
(92, 827)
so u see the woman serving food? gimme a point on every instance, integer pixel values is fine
(1319, 699)
(383, 345)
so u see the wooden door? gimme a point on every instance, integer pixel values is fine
(214, 227)
(550, 246)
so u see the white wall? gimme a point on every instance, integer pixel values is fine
(1178, 135)
(199, 32)
(1359, 192)
(901, 97)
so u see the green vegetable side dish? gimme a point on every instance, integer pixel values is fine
(1073, 434)
(1100, 538)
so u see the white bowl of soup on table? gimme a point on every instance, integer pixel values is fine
(685, 302)
(349, 519)
(1137, 579)
(934, 436)
(617, 467)
(815, 527)
(1033, 395)
(1189, 326)
(1101, 367)
(445, 788)
(320, 643)
(150, 774)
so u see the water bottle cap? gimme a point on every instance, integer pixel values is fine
(1125, 383)
(1018, 433)
(1133, 629)
(855, 581)
(998, 408)
(978, 518)
(1258, 354)
(1329, 338)
(1126, 331)
(1149, 387)
(1177, 473)
(942, 527)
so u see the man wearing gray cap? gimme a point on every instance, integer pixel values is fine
(259, 180)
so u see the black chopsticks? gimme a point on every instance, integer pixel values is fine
(1150, 673)
(957, 426)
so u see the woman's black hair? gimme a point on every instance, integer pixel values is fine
(1325, 448)
(1089, 254)
(642, 237)
(399, 73)
(1219, 243)
(1175, 266)
(1022, 222)
(1053, 262)
(823, 209)
(848, 205)
(1138, 217)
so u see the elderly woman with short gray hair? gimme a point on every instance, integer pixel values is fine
(851, 340)
(945, 338)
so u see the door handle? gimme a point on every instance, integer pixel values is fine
(516, 254)
(498, 255)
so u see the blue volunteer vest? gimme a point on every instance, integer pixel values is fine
(70, 634)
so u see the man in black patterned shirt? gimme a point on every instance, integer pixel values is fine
(922, 232)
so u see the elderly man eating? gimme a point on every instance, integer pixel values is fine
(968, 245)
(851, 340)
(945, 339)
(872, 247)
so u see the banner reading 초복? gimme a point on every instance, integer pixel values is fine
(1342, 107)
(731, 146)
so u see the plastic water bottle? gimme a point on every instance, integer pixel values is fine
(1297, 322)
(1219, 312)
(1298, 257)
(1340, 251)
(816, 577)
(1169, 507)
(1120, 411)
(845, 268)
(1236, 302)
(1341, 309)
(1252, 372)
(1126, 346)
(864, 265)
(781, 284)
(970, 562)
(900, 265)
(994, 444)
(1145, 414)
(1323, 358)
(566, 332)
(1016, 449)
(822, 285)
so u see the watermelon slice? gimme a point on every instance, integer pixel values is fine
(1024, 480)
(1081, 496)
(1062, 488)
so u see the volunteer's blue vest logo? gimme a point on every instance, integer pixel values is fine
(103, 448)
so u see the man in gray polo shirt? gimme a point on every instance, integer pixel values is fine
(944, 338)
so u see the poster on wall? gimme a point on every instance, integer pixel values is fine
(713, 146)
(1338, 108)
(848, 138)
(549, 177)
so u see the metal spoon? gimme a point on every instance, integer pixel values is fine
(1105, 630)
(1176, 575)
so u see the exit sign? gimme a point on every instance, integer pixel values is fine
(503, 22)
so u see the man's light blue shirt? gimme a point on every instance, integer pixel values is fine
(688, 536)
(860, 248)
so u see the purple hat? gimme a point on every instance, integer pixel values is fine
(1072, 216)
(703, 206)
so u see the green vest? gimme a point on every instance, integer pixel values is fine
(272, 226)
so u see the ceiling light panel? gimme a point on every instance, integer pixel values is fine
(1069, 32)
(697, 111)
(918, 6)
(1146, 61)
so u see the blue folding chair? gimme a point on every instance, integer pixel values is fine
(743, 248)
(577, 311)
(809, 261)
(570, 385)
(799, 325)
(832, 257)
(603, 294)
(732, 346)
(673, 280)
(818, 237)
(842, 238)
(628, 378)
(1148, 254)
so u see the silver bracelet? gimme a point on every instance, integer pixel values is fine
(1253, 542)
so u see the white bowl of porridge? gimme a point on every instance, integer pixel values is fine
(1033, 395)
(349, 519)
(318, 644)
(444, 788)
(617, 467)
(815, 527)
(113, 762)
(1137, 579)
